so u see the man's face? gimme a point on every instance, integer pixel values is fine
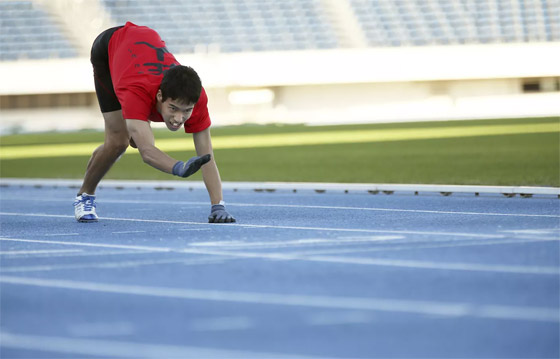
(175, 113)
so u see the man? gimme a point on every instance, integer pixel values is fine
(138, 81)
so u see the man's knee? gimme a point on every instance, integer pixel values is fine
(116, 146)
(116, 133)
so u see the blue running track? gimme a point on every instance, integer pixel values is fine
(301, 275)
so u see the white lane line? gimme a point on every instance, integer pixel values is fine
(225, 243)
(540, 233)
(350, 230)
(220, 324)
(109, 265)
(338, 318)
(295, 242)
(346, 208)
(551, 239)
(98, 245)
(122, 349)
(455, 266)
(448, 309)
(396, 210)
(421, 244)
(127, 232)
(82, 253)
(290, 186)
(60, 234)
(101, 329)
(538, 270)
(40, 251)
(534, 231)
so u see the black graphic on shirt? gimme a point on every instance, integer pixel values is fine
(155, 68)
(160, 51)
(158, 68)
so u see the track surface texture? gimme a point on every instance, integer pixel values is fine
(302, 275)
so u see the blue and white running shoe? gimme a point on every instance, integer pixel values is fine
(84, 208)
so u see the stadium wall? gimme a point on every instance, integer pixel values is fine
(318, 87)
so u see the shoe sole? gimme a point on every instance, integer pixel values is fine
(87, 220)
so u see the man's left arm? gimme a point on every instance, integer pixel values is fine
(211, 177)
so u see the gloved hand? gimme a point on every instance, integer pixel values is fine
(220, 215)
(185, 169)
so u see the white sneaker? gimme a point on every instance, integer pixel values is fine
(84, 208)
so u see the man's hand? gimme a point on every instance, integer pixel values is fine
(220, 215)
(185, 169)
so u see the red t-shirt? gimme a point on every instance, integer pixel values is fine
(137, 60)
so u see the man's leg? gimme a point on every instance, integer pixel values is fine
(116, 134)
(116, 142)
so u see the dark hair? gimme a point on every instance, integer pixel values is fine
(181, 83)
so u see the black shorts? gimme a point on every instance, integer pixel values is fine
(106, 96)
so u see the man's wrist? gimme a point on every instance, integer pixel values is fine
(177, 168)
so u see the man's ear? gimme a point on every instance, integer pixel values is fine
(159, 96)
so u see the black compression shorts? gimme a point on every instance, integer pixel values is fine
(106, 96)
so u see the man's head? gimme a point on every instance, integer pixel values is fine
(179, 91)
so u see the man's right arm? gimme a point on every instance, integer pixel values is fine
(142, 135)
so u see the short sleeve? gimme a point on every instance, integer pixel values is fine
(134, 106)
(200, 118)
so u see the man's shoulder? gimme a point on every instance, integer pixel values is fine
(203, 99)
(136, 103)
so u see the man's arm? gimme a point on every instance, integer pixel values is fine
(143, 137)
(211, 177)
(210, 173)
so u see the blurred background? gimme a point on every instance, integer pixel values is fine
(413, 92)
(295, 61)
(356, 91)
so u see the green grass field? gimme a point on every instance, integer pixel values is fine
(485, 152)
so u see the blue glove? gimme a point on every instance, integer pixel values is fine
(220, 215)
(185, 169)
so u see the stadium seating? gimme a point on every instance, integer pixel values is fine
(441, 22)
(231, 25)
(259, 25)
(29, 32)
